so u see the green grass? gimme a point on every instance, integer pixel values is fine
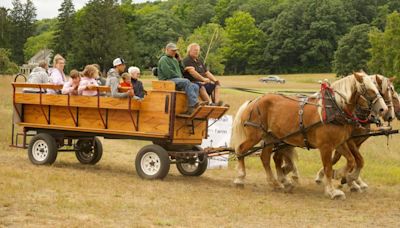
(110, 194)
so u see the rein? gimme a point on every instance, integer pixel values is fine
(345, 114)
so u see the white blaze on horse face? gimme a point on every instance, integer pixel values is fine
(378, 105)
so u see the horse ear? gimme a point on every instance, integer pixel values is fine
(358, 76)
(378, 80)
(392, 79)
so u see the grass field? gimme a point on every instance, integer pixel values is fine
(110, 194)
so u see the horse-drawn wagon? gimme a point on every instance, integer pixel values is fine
(60, 123)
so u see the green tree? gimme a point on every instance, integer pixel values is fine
(64, 28)
(6, 65)
(194, 12)
(45, 25)
(5, 28)
(242, 47)
(22, 19)
(36, 43)
(352, 53)
(385, 48)
(100, 35)
(304, 36)
(211, 38)
(153, 31)
(225, 9)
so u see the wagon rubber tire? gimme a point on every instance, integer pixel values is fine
(42, 149)
(152, 162)
(90, 156)
(195, 169)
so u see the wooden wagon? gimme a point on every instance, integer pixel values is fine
(59, 123)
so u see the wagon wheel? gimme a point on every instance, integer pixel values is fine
(86, 153)
(196, 166)
(42, 149)
(152, 162)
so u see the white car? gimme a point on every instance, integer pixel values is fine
(272, 78)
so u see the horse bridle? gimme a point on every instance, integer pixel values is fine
(364, 95)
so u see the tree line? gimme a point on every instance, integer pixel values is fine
(238, 36)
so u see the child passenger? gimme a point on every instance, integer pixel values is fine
(90, 73)
(126, 80)
(71, 87)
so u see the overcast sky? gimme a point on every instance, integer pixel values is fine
(49, 8)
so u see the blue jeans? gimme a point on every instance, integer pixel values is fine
(191, 89)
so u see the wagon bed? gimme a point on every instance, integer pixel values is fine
(76, 121)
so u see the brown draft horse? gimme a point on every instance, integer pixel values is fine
(353, 179)
(386, 89)
(273, 117)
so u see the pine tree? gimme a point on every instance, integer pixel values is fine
(62, 42)
(22, 19)
(5, 28)
(100, 35)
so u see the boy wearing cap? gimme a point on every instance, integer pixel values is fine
(169, 68)
(113, 78)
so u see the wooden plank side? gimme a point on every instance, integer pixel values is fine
(93, 130)
(76, 101)
(181, 103)
(154, 122)
(33, 114)
(90, 118)
(163, 85)
(155, 111)
(187, 141)
(61, 116)
(183, 132)
(121, 120)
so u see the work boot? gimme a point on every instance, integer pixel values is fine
(189, 111)
(220, 103)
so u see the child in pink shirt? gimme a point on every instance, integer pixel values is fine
(90, 73)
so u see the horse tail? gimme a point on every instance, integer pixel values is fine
(238, 136)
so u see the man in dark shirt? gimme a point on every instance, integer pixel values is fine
(197, 72)
(136, 83)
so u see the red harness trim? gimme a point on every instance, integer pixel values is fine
(353, 117)
(325, 86)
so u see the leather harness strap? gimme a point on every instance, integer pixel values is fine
(303, 101)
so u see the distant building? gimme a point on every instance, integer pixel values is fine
(44, 54)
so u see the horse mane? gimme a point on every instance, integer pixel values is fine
(385, 82)
(344, 88)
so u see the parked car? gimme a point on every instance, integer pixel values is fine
(272, 78)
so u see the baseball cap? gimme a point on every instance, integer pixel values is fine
(118, 61)
(171, 46)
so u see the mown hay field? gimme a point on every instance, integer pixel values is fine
(110, 194)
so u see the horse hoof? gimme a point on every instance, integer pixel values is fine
(338, 195)
(318, 181)
(355, 188)
(238, 183)
(296, 180)
(288, 188)
(363, 186)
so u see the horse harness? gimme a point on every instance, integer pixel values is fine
(334, 115)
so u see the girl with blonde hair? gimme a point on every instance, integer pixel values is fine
(90, 73)
(57, 76)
